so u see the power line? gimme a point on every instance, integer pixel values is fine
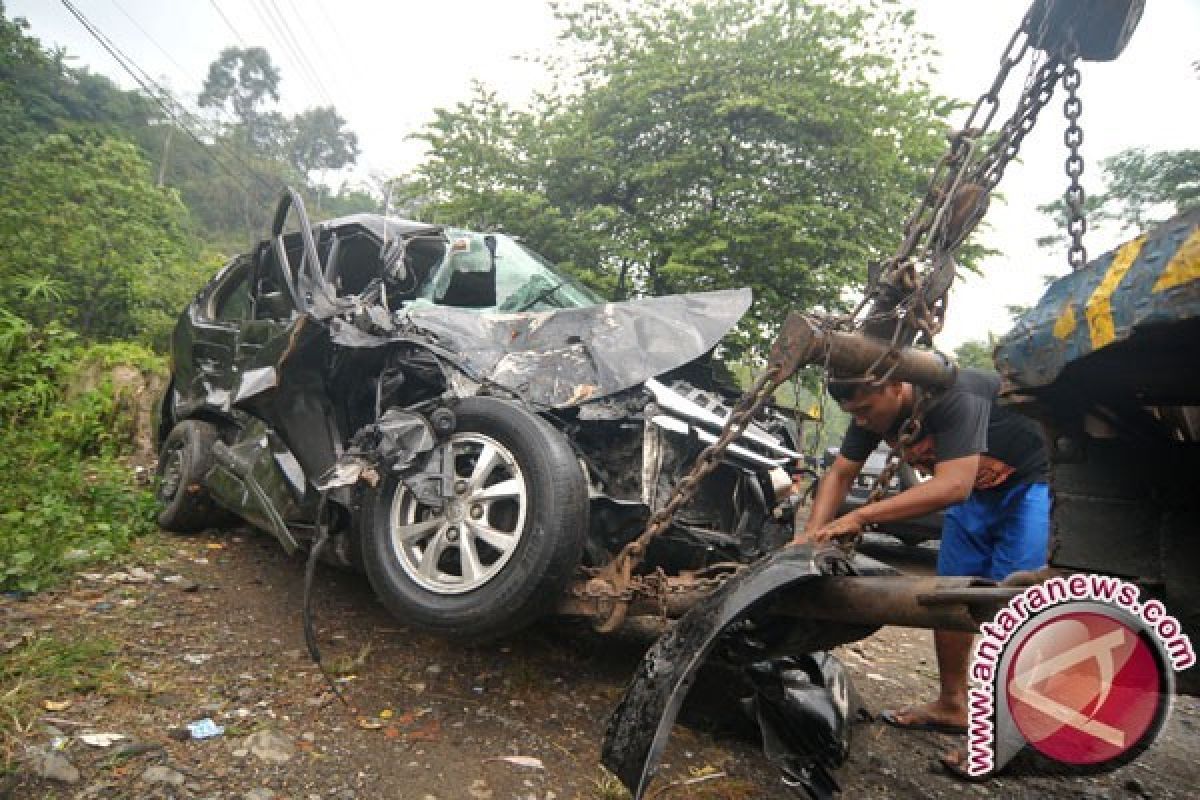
(296, 58)
(314, 48)
(301, 50)
(126, 62)
(338, 65)
(145, 33)
(337, 34)
(286, 46)
(160, 92)
(130, 66)
(228, 24)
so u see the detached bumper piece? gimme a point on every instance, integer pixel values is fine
(802, 702)
(803, 706)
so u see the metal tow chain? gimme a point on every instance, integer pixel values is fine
(938, 232)
(955, 200)
(1073, 139)
(619, 572)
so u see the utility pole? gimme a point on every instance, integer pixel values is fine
(166, 153)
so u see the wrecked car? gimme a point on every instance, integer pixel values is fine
(469, 426)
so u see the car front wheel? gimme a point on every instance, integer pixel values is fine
(498, 552)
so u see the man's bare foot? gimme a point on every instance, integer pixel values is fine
(928, 717)
(955, 762)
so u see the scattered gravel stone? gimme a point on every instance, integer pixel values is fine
(159, 774)
(271, 746)
(56, 767)
(259, 794)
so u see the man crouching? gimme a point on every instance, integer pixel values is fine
(989, 471)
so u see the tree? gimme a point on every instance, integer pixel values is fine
(976, 353)
(319, 141)
(659, 172)
(243, 79)
(351, 200)
(90, 241)
(39, 93)
(1147, 187)
(1141, 190)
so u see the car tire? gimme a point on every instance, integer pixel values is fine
(183, 461)
(500, 553)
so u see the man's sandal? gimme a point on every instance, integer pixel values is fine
(927, 725)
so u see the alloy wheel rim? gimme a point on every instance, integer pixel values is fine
(466, 543)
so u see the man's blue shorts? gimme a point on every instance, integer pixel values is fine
(996, 532)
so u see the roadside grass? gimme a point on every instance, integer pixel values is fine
(49, 669)
(61, 516)
(70, 497)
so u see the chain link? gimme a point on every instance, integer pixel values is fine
(953, 204)
(1073, 139)
(619, 571)
(948, 168)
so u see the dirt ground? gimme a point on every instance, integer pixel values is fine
(210, 627)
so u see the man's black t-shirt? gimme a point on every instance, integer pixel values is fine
(966, 420)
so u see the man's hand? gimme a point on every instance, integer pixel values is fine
(849, 524)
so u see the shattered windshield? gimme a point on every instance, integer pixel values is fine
(497, 273)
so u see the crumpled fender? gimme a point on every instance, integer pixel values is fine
(639, 728)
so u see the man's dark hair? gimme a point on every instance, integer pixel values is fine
(843, 388)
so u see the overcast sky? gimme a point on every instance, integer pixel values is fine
(388, 64)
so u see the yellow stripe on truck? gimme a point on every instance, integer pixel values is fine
(1184, 267)
(1065, 325)
(1099, 306)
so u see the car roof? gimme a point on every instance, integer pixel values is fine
(377, 224)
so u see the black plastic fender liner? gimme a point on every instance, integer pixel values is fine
(803, 706)
(640, 725)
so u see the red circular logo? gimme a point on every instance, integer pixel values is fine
(1085, 688)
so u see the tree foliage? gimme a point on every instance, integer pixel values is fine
(1147, 187)
(319, 141)
(976, 353)
(241, 79)
(90, 242)
(1141, 189)
(701, 146)
(39, 92)
(67, 500)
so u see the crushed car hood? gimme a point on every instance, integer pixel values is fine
(565, 357)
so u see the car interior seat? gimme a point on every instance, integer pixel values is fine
(470, 289)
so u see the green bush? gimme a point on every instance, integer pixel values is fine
(90, 243)
(68, 498)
